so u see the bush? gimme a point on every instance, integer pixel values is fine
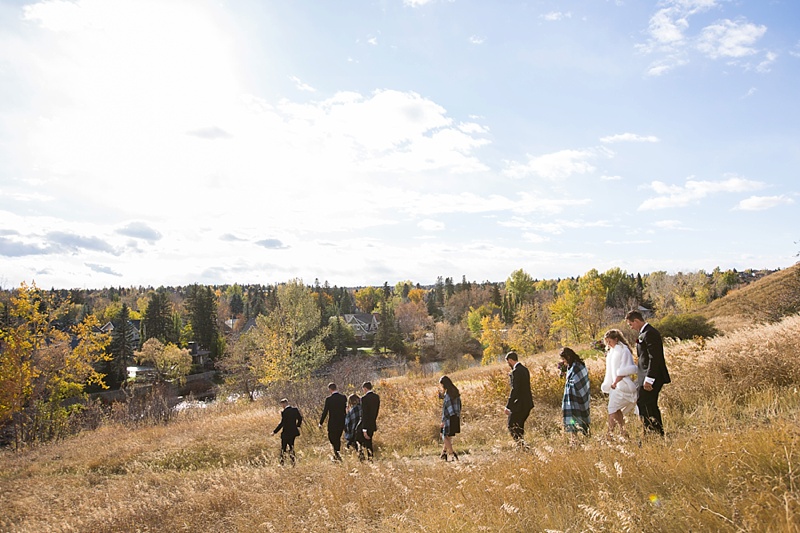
(686, 326)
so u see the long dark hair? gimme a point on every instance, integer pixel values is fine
(449, 387)
(569, 355)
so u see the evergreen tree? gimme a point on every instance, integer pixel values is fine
(203, 317)
(157, 317)
(122, 347)
(388, 336)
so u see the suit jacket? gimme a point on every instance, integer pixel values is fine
(650, 349)
(370, 404)
(520, 400)
(336, 407)
(290, 422)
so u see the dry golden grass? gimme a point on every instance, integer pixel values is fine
(764, 300)
(729, 462)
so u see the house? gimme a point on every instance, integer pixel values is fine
(364, 325)
(135, 325)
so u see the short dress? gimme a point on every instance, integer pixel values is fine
(451, 415)
(619, 362)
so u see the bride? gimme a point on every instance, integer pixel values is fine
(619, 383)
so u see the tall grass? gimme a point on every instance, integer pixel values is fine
(729, 461)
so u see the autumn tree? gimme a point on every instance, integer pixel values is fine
(287, 342)
(530, 333)
(412, 318)
(170, 362)
(492, 337)
(566, 311)
(41, 368)
(593, 302)
(453, 341)
(367, 299)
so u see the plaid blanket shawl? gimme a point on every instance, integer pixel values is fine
(575, 404)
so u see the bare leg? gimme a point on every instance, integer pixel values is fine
(617, 419)
(448, 444)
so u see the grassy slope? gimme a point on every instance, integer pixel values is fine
(763, 300)
(729, 463)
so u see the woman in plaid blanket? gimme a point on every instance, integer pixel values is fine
(575, 404)
(451, 415)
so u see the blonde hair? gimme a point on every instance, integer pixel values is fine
(618, 336)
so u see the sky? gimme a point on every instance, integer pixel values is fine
(172, 142)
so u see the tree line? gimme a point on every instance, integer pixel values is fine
(53, 348)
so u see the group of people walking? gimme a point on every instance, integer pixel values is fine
(632, 388)
(354, 416)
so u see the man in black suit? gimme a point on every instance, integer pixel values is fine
(336, 407)
(520, 401)
(653, 372)
(370, 405)
(289, 428)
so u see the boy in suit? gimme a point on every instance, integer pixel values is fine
(289, 428)
(370, 405)
(335, 408)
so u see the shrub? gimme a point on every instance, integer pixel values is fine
(686, 326)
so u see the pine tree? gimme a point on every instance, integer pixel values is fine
(122, 346)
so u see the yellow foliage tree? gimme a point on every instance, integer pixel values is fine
(39, 368)
(492, 336)
(171, 362)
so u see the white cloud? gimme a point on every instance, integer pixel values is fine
(727, 38)
(610, 178)
(534, 238)
(555, 15)
(669, 37)
(557, 165)
(430, 225)
(629, 137)
(416, 3)
(693, 191)
(301, 86)
(474, 39)
(670, 224)
(761, 203)
(769, 59)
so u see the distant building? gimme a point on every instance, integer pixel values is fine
(364, 325)
(134, 325)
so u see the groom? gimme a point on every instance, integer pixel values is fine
(652, 371)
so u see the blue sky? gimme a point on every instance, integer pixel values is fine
(170, 142)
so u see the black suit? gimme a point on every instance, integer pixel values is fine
(336, 407)
(520, 401)
(290, 429)
(370, 405)
(650, 349)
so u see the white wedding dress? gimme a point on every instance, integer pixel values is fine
(619, 362)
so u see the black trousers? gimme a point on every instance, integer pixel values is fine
(648, 409)
(516, 424)
(287, 446)
(335, 437)
(366, 443)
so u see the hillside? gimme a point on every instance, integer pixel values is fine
(764, 300)
(730, 460)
